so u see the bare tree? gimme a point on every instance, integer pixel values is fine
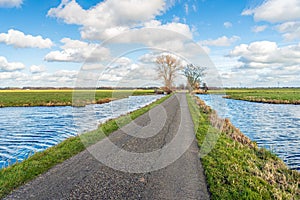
(194, 75)
(167, 67)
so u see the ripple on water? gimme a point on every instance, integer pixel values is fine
(274, 126)
(26, 130)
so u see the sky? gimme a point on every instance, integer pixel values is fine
(68, 43)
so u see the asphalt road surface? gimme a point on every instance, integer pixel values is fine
(153, 157)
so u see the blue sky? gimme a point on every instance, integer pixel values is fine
(250, 43)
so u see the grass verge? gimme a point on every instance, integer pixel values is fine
(235, 167)
(20, 173)
(264, 95)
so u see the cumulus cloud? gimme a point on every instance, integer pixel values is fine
(159, 38)
(235, 72)
(257, 29)
(93, 67)
(57, 78)
(63, 76)
(10, 3)
(35, 69)
(113, 17)
(177, 27)
(227, 24)
(109, 17)
(266, 54)
(290, 30)
(19, 40)
(284, 13)
(60, 78)
(78, 51)
(121, 72)
(276, 11)
(154, 33)
(221, 41)
(133, 21)
(150, 58)
(6, 66)
(13, 76)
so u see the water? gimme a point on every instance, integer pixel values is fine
(26, 130)
(273, 126)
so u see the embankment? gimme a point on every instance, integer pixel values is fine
(235, 167)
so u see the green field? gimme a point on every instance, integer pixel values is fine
(264, 95)
(235, 167)
(10, 98)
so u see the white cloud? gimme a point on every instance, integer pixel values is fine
(64, 76)
(150, 58)
(186, 8)
(227, 24)
(13, 76)
(124, 72)
(288, 26)
(19, 40)
(78, 51)
(257, 29)
(235, 72)
(175, 19)
(194, 8)
(266, 54)
(276, 11)
(61, 78)
(177, 27)
(10, 3)
(35, 69)
(113, 17)
(133, 22)
(123, 61)
(57, 78)
(286, 13)
(93, 67)
(206, 49)
(290, 30)
(171, 36)
(6, 66)
(109, 17)
(221, 41)
(152, 32)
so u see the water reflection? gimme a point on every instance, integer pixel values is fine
(26, 130)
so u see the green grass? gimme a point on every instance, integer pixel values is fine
(265, 95)
(235, 167)
(20, 173)
(10, 98)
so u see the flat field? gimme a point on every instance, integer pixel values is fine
(264, 95)
(10, 98)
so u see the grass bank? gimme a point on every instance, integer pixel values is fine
(20, 173)
(264, 95)
(235, 167)
(12, 98)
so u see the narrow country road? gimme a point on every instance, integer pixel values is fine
(153, 157)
